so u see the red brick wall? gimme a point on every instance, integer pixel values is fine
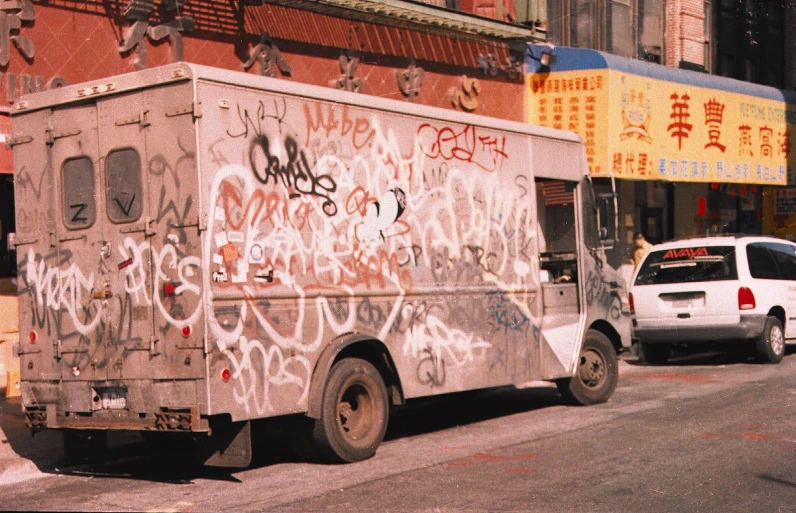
(81, 44)
(79, 41)
(684, 33)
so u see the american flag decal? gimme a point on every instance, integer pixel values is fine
(555, 193)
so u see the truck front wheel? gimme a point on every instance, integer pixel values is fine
(354, 412)
(597, 374)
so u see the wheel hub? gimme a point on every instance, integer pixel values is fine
(592, 368)
(777, 340)
(354, 412)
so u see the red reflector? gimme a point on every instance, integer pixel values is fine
(33, 336)
(226, 375)
(746, 299)
(631, 303)
(186, 331)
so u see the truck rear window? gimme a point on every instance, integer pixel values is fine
(78, 189)
(123, 169)
(688, 265)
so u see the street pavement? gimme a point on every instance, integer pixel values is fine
(712, 432)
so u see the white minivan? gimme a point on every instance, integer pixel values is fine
(716, 289)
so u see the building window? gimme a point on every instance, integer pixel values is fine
(629, 28)
(650, 30)
(708, 35)
(622, 23)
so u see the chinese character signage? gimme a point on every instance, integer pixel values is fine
(645, 128)
(785, 201)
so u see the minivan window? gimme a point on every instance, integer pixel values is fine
(78, 209)
(761, 262)
(785, 256)
(688, 265)
(123, 171)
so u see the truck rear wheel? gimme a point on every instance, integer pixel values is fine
(597, 374)
(85, 445)
(771, 344)
(656, 354)
(354, 412)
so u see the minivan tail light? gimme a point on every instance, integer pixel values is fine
(746, 299)
(631, 303)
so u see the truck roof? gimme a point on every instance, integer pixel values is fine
(183, 71)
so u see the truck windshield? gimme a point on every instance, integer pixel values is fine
(688, 265)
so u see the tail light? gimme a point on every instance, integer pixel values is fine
(631, 303)
(746, 299)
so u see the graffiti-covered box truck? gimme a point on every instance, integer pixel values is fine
(199, 248)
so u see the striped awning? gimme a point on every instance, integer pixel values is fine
(404, 12)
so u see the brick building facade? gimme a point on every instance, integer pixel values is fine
(466, 58)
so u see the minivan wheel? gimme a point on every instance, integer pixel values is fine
(656, 354)
(771, 344)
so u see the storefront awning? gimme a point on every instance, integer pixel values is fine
(412, 14)
(645, 121)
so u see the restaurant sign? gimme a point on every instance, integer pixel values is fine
(644, 128)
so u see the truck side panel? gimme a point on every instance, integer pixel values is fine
(326, 220)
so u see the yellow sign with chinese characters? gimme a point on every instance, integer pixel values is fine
(644, 128)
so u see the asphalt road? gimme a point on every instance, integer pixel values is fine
(712, 432)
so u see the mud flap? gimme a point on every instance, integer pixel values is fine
(229, 445)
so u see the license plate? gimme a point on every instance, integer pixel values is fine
(109, 398)
(681, 303)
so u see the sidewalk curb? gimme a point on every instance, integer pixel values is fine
(16, 469)
(13, 467)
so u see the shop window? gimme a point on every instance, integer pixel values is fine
(79, 207)
(123, 172)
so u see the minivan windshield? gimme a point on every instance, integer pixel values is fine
(688, 265)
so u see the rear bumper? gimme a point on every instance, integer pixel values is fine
(749, 326)
(167, 419)
(149, 405)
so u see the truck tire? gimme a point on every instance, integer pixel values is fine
(597, 374)
(771, 344)
(85, 445)
(354, 412)
(656, 354)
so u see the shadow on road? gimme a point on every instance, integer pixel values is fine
(772, 479)
(129, 457)
(708, 356)
(439, 413)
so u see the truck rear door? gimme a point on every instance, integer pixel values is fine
(124, 220)
(41, 326)
(152, 225)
